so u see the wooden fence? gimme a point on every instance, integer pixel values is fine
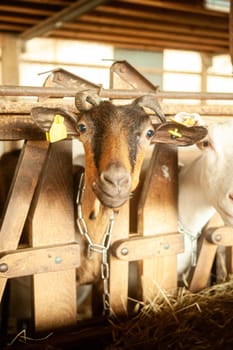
(41, 197)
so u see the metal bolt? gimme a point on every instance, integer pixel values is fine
(218, 238)
(58, 260)
(60, 77)
(122, 69)
(166, 246)
(124, 251)
(3, 267)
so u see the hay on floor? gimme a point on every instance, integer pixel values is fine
(187, 321)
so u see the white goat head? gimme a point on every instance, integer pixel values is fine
(217, 169)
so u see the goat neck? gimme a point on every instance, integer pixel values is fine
(194, 208)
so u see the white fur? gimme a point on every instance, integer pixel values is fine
(205, 186)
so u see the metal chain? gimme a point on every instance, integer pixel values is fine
(193, 239)
(94, 247)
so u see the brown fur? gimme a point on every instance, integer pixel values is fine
(118, 135)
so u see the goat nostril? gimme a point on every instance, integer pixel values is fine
(116, 179)
(231, 196)
(105, 177)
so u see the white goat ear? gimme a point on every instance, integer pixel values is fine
(188, 119)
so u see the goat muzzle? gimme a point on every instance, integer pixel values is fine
(113, 187)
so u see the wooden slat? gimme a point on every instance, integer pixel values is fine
(207, 250)
(169, 16)
(133, 42)
(118, 283)
(25, 10)
(19, 199)
(60, 3)
(157, 214)
(137, 248)
(119, 270)
(145, 34)
(51, 223)
(28, 261)
(169, 5)
(202, 271)
(153, 26)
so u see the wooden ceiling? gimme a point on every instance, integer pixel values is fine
(137, 24)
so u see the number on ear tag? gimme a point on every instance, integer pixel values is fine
(57, 130)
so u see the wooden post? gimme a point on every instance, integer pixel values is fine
(51, 223)
(119, 270)
(118, 282)
(10, 60)
(10, 74)
(157, 214)
(231, 31)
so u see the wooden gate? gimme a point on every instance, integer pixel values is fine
(41, 198)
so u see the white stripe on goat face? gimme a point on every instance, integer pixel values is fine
(217, 169)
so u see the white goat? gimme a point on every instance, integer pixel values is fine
(206, 186)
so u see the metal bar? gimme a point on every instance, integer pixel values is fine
(22, 109)
(110, 93)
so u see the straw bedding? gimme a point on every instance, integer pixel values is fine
(187, 321)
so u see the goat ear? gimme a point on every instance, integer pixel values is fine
(178, 134)
(43, 117)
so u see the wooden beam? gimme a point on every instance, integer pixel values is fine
(29, 10)
(144, 34)
(153, 26)
(134, 42)
(182, 7)
(166, 16)
(58, 19)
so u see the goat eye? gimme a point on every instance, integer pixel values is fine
(82, 128)
(150, 133)
(205, 143)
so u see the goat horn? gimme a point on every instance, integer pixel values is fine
(84, 100)
(152, 103)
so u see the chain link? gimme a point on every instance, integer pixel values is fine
(193, 237)
(94, 247)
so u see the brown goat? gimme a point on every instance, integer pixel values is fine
(115, 139)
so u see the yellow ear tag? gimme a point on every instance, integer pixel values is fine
(189, 121)
(57, 130)
(174, 133)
